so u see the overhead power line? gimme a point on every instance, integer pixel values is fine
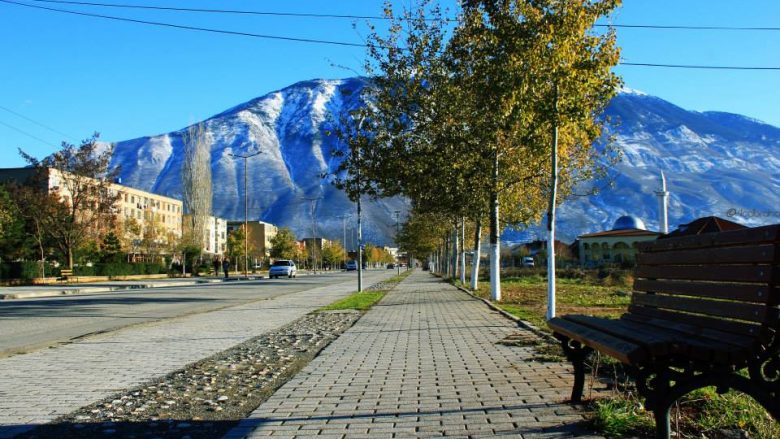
(684, 27)
(21, 131)
(220, 11)
(194, 28)
(36, 122)
(693, 66)
(338, 43)
(377, 17)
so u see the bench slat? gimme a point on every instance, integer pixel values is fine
(725, 255)
(717, 290)
(734, 310)
(715, 273)
(656, 343)
(620, 349)
(662, 341)
(755, 235)
(735, 327)
(735, 340)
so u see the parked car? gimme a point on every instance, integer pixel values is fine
(282, 267)
(528, 262)
(390, 266)
(351, 265)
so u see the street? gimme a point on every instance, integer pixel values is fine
(29, 324)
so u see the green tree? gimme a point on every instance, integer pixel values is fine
(334, 253)
(81, 176)
(111, 248)
(7, 211)
(13, 237)
(235, 247)
(283, 245)
(577, 65)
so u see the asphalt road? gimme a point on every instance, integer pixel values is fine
(30, 324)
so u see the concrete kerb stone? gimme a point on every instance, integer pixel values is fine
(520, 322)
(99, 290)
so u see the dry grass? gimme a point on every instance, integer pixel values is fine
(526, 298)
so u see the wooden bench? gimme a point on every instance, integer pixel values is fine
(65, 274)
(704, 308)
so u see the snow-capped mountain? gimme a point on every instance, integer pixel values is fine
(714, 162)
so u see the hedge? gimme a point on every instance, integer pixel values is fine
(26, 270)
(114, 269)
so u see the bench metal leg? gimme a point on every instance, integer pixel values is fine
(576, 353)
(662, 425)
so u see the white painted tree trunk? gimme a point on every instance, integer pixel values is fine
(455, 253)
(447, 259)
(475, 259)
(463, 251)
(495, 242)
(551, 222)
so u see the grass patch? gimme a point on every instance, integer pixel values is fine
(701, 413)
(526, 298)
(399, 277)
(357, 301)
(620, 417)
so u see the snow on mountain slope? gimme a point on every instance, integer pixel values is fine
(288, 127)
(714, 162)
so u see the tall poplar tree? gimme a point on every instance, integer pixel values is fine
(196, 183)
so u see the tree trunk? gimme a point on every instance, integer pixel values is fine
(455, 252)
(495, 245)
(446, 261)
(551, 220)
(477, 255)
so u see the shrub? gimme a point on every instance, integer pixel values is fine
(83, 270)
(26, 270)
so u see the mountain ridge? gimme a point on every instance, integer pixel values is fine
(711, 159)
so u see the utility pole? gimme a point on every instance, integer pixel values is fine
(359, 217)
(246, 209)
(397, 231)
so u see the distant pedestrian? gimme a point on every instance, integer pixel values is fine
(217, 265)
(226, 266)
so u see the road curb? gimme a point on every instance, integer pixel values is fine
(520, 322)
(109, 289)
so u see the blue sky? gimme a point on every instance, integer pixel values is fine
(78, 74)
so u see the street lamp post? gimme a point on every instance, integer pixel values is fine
(359, 217)
(397, 231)
(246, 209)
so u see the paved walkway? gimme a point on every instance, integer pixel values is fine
(38, 387)
(423, 363)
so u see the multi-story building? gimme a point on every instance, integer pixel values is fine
(214, 235)
(259, 237)
(147, 209)
(315, 244)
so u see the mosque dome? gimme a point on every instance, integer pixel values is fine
(629, 222)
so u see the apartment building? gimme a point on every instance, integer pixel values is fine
(145, 208)
(214, 235)
(260, 234)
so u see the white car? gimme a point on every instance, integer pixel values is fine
(282, 267)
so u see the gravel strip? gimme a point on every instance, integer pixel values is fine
(207, 398)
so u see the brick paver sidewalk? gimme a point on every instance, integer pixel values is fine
(422, 363)
(38, 387)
